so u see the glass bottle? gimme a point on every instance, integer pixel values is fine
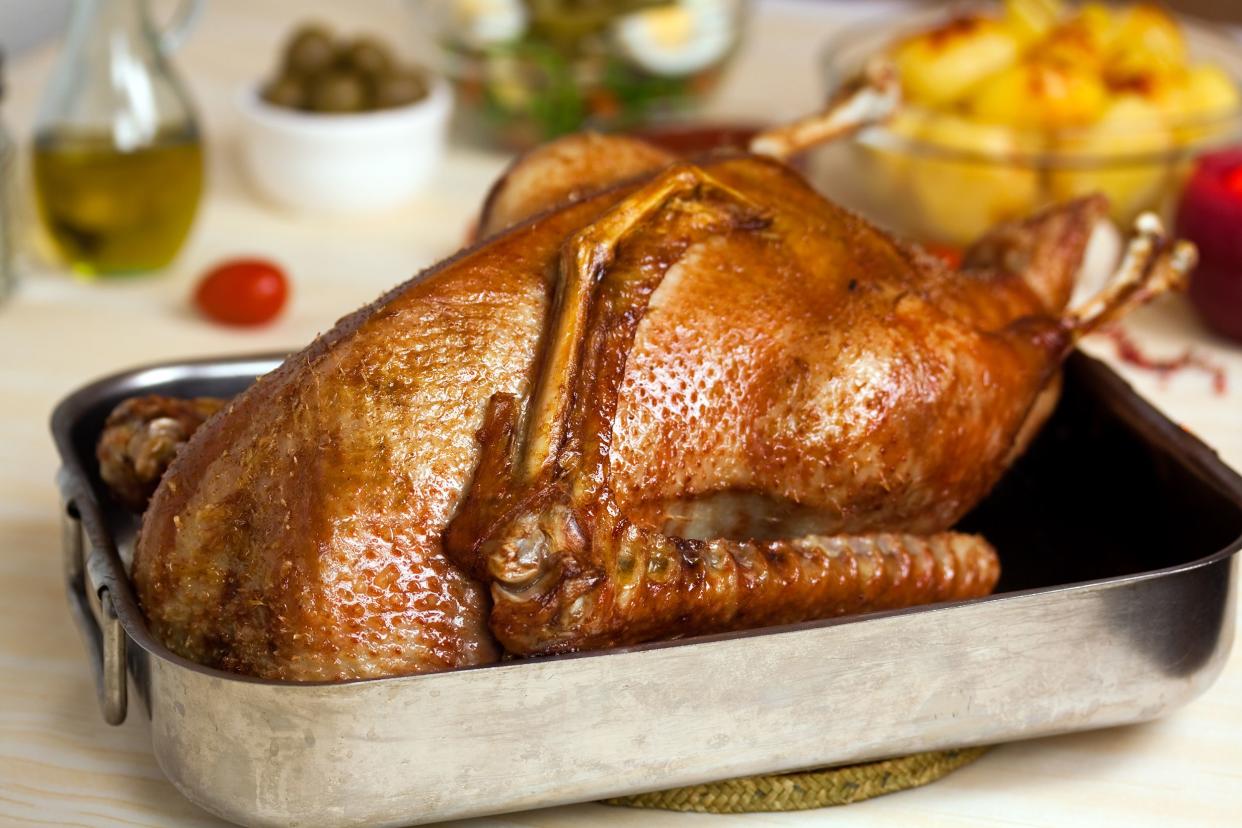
(117, 153)
(8, 151)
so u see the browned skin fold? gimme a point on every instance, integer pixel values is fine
(563, 171)
(761, 364)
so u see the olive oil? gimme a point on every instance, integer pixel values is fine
(110, 210)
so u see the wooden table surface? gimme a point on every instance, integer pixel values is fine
(61, 765)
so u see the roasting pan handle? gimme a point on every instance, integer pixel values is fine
(95, 615)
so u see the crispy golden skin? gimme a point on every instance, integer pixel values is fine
(564, 171)
(786, 370)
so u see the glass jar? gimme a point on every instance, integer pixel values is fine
(529, 70)
(117, 154)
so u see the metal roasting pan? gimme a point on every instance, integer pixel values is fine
(1117, 533)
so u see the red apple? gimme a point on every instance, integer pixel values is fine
(1210, 215)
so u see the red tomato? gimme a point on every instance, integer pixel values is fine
(242, 292)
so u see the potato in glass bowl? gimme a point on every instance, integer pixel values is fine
(1008, 107)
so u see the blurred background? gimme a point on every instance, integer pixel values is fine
(208, 178)
(194, 180)
(166, 138)
(25, 23)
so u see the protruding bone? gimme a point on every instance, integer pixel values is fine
(1152, 265)
(872, 101)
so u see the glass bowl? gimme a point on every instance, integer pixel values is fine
(959, 177)
(528, 70)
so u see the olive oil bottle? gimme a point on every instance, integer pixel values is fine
(117, 153)
(114, 211)
(8, 273)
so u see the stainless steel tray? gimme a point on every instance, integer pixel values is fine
(1117, 533)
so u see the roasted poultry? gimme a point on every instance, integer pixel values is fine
(659, 398)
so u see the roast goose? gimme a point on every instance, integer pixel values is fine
(658, 398)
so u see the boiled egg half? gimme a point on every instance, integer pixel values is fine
(680, 38)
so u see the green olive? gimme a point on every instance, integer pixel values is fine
(399, 88)
(287, 91)
(310, 50)
(338, 91)
(366, 55)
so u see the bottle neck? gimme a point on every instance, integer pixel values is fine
(112, 25)
(112, 76)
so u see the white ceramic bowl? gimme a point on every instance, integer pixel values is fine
(343, 163)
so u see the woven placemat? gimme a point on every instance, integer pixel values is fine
(809, 789)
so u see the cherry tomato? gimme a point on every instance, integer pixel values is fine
(242, 292)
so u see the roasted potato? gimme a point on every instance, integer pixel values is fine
(1109, 90)
(1122, 155)
(939, 66)
(967, 186)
